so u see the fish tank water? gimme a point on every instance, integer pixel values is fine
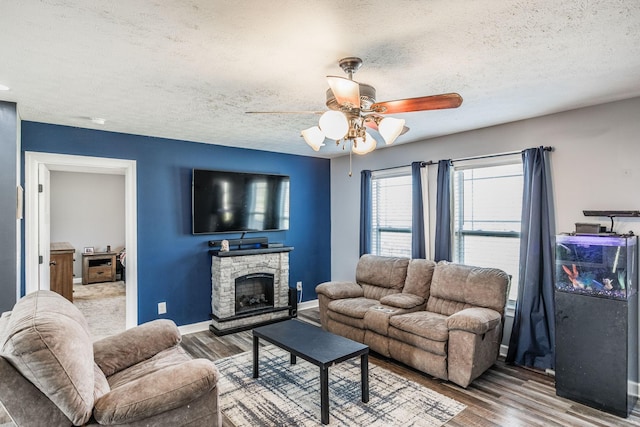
(597, 265)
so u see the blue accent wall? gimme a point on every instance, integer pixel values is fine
(173, 264)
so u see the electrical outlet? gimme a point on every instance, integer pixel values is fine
(299, 286)
(162, 308)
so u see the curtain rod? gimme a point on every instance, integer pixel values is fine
(422, 164)
(488, 156)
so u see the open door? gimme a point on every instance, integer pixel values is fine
(37, 222)
(44, 229)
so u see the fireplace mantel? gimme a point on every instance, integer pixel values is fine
(256, 251)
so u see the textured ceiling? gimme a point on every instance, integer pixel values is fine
(190, 69)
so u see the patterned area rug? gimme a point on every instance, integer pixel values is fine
(288, 394)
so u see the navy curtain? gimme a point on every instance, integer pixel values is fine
(443, 212)
(365, 212)
(417, 214)
(532, 342)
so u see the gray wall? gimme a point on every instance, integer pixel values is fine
(87, 209)
(595, 165)
(9, 149)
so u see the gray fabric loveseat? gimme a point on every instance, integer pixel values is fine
(51, 374)
(443, 319)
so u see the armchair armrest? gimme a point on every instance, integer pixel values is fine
(402, 300)
(117, 352)
(339, 290)
(157, 392)
(475, 320)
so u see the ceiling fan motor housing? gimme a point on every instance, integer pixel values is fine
(367, 98)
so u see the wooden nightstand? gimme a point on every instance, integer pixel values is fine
(61, 269)
(99, 267)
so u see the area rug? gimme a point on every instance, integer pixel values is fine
(104, 307)
(289, 395)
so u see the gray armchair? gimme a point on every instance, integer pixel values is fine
(52, 374)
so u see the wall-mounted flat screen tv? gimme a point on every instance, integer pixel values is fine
(227, 202)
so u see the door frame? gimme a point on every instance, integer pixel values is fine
(82, 164)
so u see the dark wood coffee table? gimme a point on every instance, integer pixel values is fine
(319, 347)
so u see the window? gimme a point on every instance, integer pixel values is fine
(391, 212)
(487, 204)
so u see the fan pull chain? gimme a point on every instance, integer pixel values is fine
(350, 151)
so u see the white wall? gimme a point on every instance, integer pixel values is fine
(87, 209)
(595, 165)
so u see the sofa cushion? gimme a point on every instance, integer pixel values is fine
(402, 300)
(375, 271)
(337, 290)
(475, 320)
(101, 384)
(455, 287)
(352, 307)
(4, 322)
(421, 329)
(48, 341)
(117, 352)
(172, 356)
(158, 391)
(419, 275)
(423, 324)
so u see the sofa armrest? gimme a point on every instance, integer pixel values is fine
(475, 320)
(163, 390)
(406, 301)
(117, 352)
(339, 290)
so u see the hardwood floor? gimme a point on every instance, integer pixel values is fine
(505, 395)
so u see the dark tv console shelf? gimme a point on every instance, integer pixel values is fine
(257, 251)
(239, 243)
(249, 246)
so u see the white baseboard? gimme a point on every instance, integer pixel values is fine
(77, 280)
(308, 304)
(194, 327)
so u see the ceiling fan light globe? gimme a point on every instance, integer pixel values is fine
(334, 124)
(364, 145)
(314, 137)
(390, 128)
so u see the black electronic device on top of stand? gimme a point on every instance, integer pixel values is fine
(611, 215)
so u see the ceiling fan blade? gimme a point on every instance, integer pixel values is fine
(433, 102)
(284, 112)
(346, 92)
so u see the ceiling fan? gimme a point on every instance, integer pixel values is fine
(353, 108)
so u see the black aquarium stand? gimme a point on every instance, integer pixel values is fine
(597, 351)
(596, 319)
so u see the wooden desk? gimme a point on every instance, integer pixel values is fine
(61, 269)
(99, 267)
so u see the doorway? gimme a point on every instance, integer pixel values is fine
(37, 233)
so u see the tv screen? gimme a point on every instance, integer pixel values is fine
(226, 202)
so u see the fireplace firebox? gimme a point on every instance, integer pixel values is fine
(254, 292)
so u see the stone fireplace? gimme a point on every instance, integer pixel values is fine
(248, 288)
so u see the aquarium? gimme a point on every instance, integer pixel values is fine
(602, 266)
